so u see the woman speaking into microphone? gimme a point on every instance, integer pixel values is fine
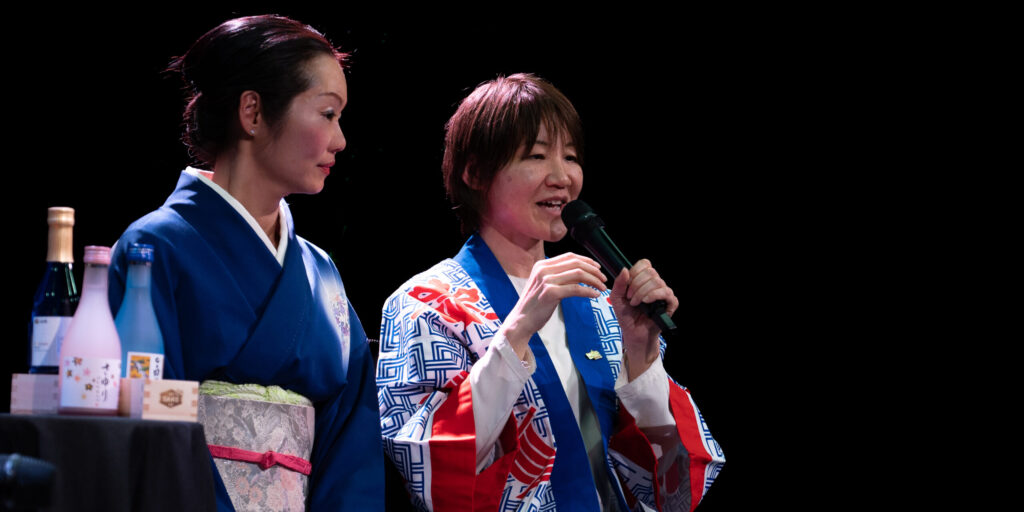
(511, 380)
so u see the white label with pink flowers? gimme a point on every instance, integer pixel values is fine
(90, 382)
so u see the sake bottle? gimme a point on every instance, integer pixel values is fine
(90, 357)
(142, 344)
(57, 296)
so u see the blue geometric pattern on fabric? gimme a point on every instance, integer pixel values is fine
(541, 499)
(390, 322)
(711, 474)
(638, 480)
(416, 427)
(395, 406)
(508, 503)
(483, 331)
(717, 455)
(709, 441)
(457, 276)
(608, 332)
(546, 498)
(407, 363)
(531, 398)
(408, 459)
(446, 361)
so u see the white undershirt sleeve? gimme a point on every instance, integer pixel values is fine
(496, 381)
(646, 398)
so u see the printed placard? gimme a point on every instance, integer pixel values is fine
(145, 365)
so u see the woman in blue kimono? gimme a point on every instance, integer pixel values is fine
(512, 381)
(241, 298)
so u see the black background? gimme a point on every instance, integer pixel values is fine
(739, 150)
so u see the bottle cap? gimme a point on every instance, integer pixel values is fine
(60, 215)
(140, 253)
(61, 221)
(97, 255)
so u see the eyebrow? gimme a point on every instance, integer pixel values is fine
(546, 143)
(336, 95)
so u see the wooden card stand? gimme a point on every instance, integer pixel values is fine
(34, 393)
(168, 400)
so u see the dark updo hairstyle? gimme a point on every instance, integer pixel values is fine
(489, 127)
(266, 54)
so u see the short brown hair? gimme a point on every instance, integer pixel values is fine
(490, 125)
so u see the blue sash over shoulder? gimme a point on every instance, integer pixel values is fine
(571, 473)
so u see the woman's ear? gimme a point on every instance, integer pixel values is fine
(249, 109)
(469, 178)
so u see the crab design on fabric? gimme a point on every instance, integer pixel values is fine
(455, 305)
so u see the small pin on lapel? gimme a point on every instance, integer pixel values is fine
(593, 355)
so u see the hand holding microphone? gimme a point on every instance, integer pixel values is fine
(588, 229)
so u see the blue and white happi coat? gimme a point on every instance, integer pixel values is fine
(439, 323)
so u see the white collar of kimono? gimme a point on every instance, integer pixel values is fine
(281, 248)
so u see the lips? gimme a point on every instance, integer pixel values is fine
(326, 168)
(554, 205)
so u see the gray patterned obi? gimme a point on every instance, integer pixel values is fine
(261, 439)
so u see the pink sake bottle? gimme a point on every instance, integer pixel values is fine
(90, 358)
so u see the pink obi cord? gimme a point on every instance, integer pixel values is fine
(264, 460)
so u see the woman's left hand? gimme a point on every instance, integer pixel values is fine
(640, 342)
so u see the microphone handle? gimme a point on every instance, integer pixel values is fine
(611, 258)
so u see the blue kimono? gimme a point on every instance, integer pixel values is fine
(230, 311)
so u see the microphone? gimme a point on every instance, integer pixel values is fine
(588, 229)
(25, 482)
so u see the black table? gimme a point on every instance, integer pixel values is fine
(116, 464)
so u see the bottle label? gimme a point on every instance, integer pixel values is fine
(47, 335)
(145, 365)
(90, 382)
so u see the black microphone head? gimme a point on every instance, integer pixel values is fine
(577, 213)
(25, 482)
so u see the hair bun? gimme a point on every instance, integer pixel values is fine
(266, 54)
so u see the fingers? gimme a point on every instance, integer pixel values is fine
(646, 286)
(576, 276)
(620, 287)
(643, 280)
(552, 280)
(569, 259)
(555, 293)
(555, 287)
(570, 268)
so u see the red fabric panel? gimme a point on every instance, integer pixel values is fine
(490, 483)
(453, 449)
(692, 436)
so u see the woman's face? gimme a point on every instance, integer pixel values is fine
(296, 155)
(525, 200)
